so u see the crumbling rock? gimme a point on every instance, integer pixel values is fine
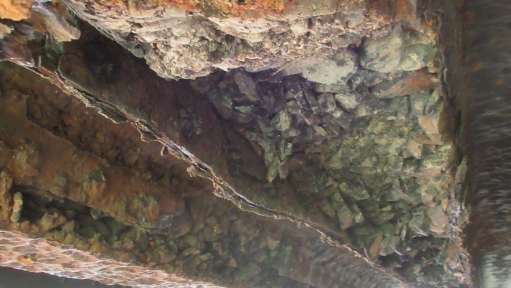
(300, 37)
(15, 10)
(361, 156)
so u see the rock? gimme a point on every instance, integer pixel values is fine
(356, 192)
(405, 84)
(406, 10)
(4, 30)
(222, 103)
(439, 221)
(16, 50)
(87, 232)
(358, 217)
(345, 217)
(17, 206)
(192, 240)
(337, 201)
(46, 18)
(5, 193)
(323, 88)
(343, 118)
(382, 53)
(388, 245)
(418, 224)
(246, 85)
(300, 65)
(334, 71)
(114, 226)
(430, 122)
(412, 149)
(311, 99)
(327, 102)
(242, 114)
(418, 51)
(375, 246)
(365, 230)
(349, 100)
(418, 102)
(395, 192)
(15, 9)
(246, 271)
(97, 214)
(180, 225)
(101, 228)
(282, 121)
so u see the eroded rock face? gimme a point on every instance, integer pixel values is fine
(210, 240)
(299, 36)
(336, 122)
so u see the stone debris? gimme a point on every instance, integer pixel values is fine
(354, 133)
(383, 53)
(335, 71)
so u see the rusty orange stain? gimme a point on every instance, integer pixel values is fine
(241, 8)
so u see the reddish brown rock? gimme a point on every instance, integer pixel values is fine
(405, 84)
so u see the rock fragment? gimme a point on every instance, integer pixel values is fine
(4, 30)
(17, 206)
(334, 71)
(15, 9)
(349, 100)
(5, 193)
(383, 53)
(418, 51)
(405, 84)
(46, 18)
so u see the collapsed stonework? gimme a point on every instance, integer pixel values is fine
(316, 144)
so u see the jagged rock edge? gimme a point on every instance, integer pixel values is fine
(198, 168)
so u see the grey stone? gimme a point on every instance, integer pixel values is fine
(327, 102)
(337, 200)
(114, 226)
(412, 149)
(418, 50)
(387, 229)
(356, 192)
(418, 102)
(382, 53)
(439, 220)
(334, 71)
(365, 230)
(345, 217)
(246, 85)
(343, 118)
(418, 224)
(395, 192)
(222, 103)
(388, 245)
(358, 217)
(349, 100)
(326, 206)
(17, 206)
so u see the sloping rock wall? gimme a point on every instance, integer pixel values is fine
(340, 125)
